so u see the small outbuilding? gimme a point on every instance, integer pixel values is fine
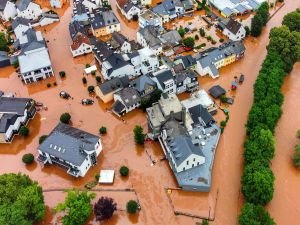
(217, 91)
(106, 176)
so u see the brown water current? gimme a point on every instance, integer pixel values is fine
(119, 148)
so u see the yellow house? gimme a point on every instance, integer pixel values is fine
(106, 90)
(105, 23)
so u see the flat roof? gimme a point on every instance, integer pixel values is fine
(34, 61)
(106, 176)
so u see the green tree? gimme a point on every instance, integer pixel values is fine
(255, 215)
(91, 89)
(124, 171)
(98, 79)
(24, 131)
(247, 29)
(102, 130)
(77, 207)
(65, 118)
(202, 32)
(181, 31)
(21, 201)
(3, 42)
(62, 74)
(42, 138)
(84, 81)
(292, 20)
(298, 134)
(256, 25)
(205, 222)
(189, 42)
(132, 207)
(296, 157)
(139, 136)
(257, 183)
(28, 158)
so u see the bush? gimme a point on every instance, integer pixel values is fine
(65, 118)
(132, 207)
(221, 40)
(28, 158)
(223, 98)
(87, 65)
(181, 32)
(54, 83)
(205, 222)
(196, 37)
(124, 171)
(84, 81)
(298, 134)
(16, 64)
(62, 74)
(93, 72)
(48, 85)
(42, 138)
(91, 89)
(209, 38)
(213, 42)
(223, 123)
(296, 157)
(139, 136)
(104, 208)
(24, 131)
(202, 32)
(247, 29)
(189, 42)
(255, 214)
(102, 130)
(98, 79)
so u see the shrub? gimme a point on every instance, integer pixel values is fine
(42, 138)
(87, 65)
(98, 79)
(93, 72)
(124, 171)
(209, 38)
(28, 158)
(48, 85)
(296, 157)
(54, 83)
(91, 89)
(62, 74)
(196, 37)
(102, 130)
(16, 64)
(205, 222)
(298, 134)
(202, 32)
(255, 214)
(223, 123)
(181, 32)
(247, 29)
(139, 136)
(24, 131)
(104, 208)
(213, 42)
(221, 40)
(189, 42)
(84, 81)
(223, 98)
(132, 207)
(65, 118)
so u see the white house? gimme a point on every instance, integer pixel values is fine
(145, 61)
(91, 5)
(20, 25)
(125, 101)
(149, 18)
(72, 149)
(149, 37)
(46, 19)
(28, 9)
(128, 8)
(14, 112)
(146, 2)
(56, 3)
(186, 81)
(165, 81)
(81, 45)
(7, 10)
(232, 29)
(120, 42)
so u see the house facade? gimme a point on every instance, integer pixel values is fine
(28, 9)
(81, 45)
(74, 150)
(14, 113)
(165, 81)
(232, 29)
(7, 10)
(149, 37)
(149, 18)
(20, 25)
(104, 23)
(57, 3)
(186, 81)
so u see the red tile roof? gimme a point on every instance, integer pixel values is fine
(122, 3)
(78, 40)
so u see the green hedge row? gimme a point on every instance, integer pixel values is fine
(259, 148)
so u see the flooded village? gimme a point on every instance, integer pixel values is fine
(164, 190)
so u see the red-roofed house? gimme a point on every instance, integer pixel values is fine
(81, 45)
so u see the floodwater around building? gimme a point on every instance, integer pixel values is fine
(119, 149)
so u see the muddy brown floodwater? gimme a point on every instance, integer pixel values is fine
(119, 148)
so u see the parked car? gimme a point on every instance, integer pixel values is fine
(87, 101)
(64, 95)
(242, 78)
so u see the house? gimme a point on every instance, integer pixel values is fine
(170, 40)
(104, 23)
(144, 85)
(144, 61)
(149, 37)
(128, 8)
(117, 65)
(165, 81)
(47, 18)
(20, 25)
(146, 2)
(90, 5)
(7, 10)
(28, 9)
(217, 91)
(101, 50)
(57, 3)
(160, 10)
(126, 100)
(188, 137)
(4, 59)
(120, 42)
(70, 148)
(76, 27)
(232, 29)
(186, 81)
(186, 62)
(209, 61)
(81, 45)
(80, 13)
(34, 60)
(107, 89)
(149, 18)
(14, 113)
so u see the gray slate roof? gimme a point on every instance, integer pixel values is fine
(150, 34)
(129, 96)
(164, 76)
(69, 144)
(141, 83)
(22, 4)
(119, 38)
(113, 84)
(182, 75)
(20, 20)
(200, 115)
(171, 38)
(3, 4)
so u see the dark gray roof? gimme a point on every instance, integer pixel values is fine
(160, 9)
(101, 49)
(3, 4)
(119, 38)
(164, 76)
(20, 20)
(22, 4)
(32, 41)
(181, 76)
(118, 107)
(187, 61)
(13, 105)
(150, 34)
(69, 144)
(103, 19)
(6, 120)
(142, 82)
(129, 96)
(216, 91)
(200, 115)
(116, 61)
(232, 25)
(76, 27)
(113, 84)
(171, 38)
(128, 6)
(4, 59)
